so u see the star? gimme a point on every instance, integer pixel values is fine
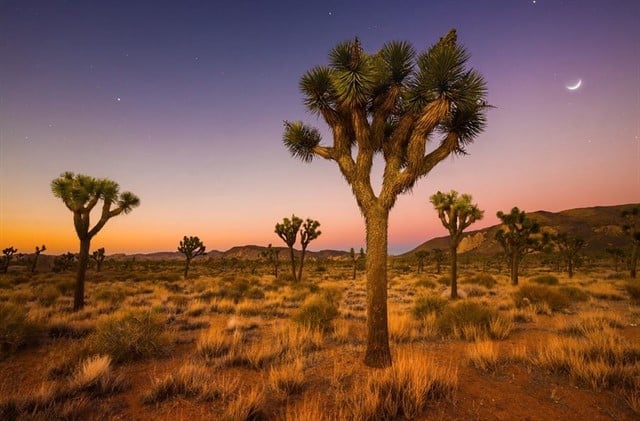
(118, 99)
(330, 13)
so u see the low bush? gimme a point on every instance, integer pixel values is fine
(428, 304)
(425, 283)
(484, 279)
(545, 280)
(317, 312)
(537, 294)
(131, 335)
(16, 330)
(633, 289)
(573, 293)
(444, 280)
(466, 319)
(47, 295)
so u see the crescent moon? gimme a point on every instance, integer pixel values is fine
(576, 86)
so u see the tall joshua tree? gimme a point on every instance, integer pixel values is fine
(98, 256)
(569, 248)
(191, 247)
(517, 238)
(456, 214)
(7, 256)
(421, 256)
(308, 233)
(631, 227)
(288, 231)
(80, 194)
(394, 103)
(34, 262)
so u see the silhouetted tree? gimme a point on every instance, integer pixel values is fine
(191, 247)
(388, 103)
(34, 262)
(308, 233)
(517, 238)
(421, 256)
(98, 256)
(569, 248)
(631, 227)
(7, 256)
(63, 262)
(456, 214)
(438, 257)
(617, 254)
(270, 254)
(288, 231)
(80, 194)
(355, 259)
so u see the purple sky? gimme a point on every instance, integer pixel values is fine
(183, 102)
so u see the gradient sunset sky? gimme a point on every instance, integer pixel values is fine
(182, 103)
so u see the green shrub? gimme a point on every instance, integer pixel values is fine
(545, 280)
(633, 289)
(428, 304)
(484, 279)
(425, 283)
(16, 330)
(573, 293)
(129, 336)
(317, 312)
(464, 317)
(534, 294)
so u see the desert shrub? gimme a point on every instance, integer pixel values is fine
(5, 283)
(255, 293)
(110, 294)
(428, 304)
(573, 293)
(169, 277)
(47, 295)
(16, 330)
(538, 294)
(131, 335)
(545, 280)
(425, 283)
(444, 280)
(484, 279)
(190, 381)
(95, 376)
(317, 312)
(633, 289)
(466, 319)
(288, 379)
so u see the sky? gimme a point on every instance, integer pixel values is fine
(183, 104)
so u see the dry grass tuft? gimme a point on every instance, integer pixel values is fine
(96, 377)
(191, 381)
(248, 405)
(483, 355)
(402, 328)
(215, 343)
(288, 379)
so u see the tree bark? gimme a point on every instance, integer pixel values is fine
(83, 260)
(570, 267)
(293, 264)
(634, 261)
(377, 354)
(186, 268)
(514, 268)
(355, 264)
(453, 250)
(301, 264)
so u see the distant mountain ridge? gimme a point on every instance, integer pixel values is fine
(599, 226)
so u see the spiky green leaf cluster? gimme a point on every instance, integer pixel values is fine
(518, 234)
(191, 247)
(456, 212)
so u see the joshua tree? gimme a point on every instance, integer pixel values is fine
(270, 254)
(438, 257)
(456, 214)
(35, 257)
(63, 262)
(191, 247)
(288, 231)
(308, 233)
(354, 260)
(80, 194)
(631, 227)
(421, 255)
(517, 238)
(98, 257)
(8, 255)
(617, 254)
(569, 248)
(394, 103)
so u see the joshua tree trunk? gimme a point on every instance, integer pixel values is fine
(634, 260)
(83, 260)
(301, 264)
(293, 264)
(377, 353)
(514, 269)
(354, 270)
(186, 268)
(570, 268)
(453, 250)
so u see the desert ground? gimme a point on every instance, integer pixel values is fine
(233, 342)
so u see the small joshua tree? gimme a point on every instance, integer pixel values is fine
(617, 254)
(63, 262)
(631, 227)
(34, 262)
(98, 257)
(421, 256)
(569, 248)
(518, 238)
(80, 194)
(354, 259)
(191, 247)
(8, 255)
(308, 233)
(288, 232)
(270, 254)
(456, 214)
(438, 257)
